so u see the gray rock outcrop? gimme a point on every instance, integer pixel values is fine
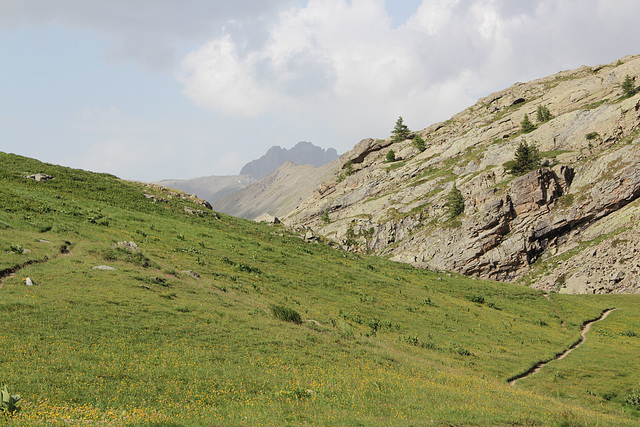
(564, 227)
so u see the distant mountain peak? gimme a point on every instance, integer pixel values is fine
(303, 153)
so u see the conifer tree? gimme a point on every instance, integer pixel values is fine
(527, 158)
(455, 202)
(544, 115)
(401, 131)
(628, 87)
(526, 125)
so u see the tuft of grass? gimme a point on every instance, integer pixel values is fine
(286, 314)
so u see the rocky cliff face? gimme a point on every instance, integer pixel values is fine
(568, 226)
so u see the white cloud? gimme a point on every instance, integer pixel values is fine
(342, 60)
(216, 77)
(151, 33)
(336, 60)
(280, 71)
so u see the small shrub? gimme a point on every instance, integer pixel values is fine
(16, 249)
(348, 168)
(122, 254)
(429, 345)
(426, 301)
(419, 143)
(493, 305)
(247, 268)
(391, 156)
(411, 339)
(634, 398)
(592, 135)
(286, 314)
(169, 295)
(461, 350)
(65, 248)
(629, 333)
(325, 217)
(479, 299)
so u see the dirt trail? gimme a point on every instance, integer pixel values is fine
(583, 337)
(8, 272)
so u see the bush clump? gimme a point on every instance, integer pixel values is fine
(592, 135)
(479, 299)
(133, 257)
(419, 143)
(391, 156)
(634, 398)
(286, 314)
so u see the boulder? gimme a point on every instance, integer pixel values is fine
(269, 219)
(40, 177)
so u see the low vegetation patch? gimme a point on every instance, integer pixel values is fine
(286, 314)
(205, 335)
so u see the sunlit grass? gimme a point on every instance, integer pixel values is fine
(182, 330)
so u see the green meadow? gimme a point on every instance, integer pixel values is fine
(214, 320)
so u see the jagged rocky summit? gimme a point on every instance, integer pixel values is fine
(569, 226)
(220, 190)
(303, 153)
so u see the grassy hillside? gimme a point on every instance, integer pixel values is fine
(197, 325)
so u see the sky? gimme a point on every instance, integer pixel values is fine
(176, 89)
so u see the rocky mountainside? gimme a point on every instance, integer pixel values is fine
(303, 153)
(210, 188)
(278, 193)
(569, 226)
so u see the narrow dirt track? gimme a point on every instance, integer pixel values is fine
(583, 337)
